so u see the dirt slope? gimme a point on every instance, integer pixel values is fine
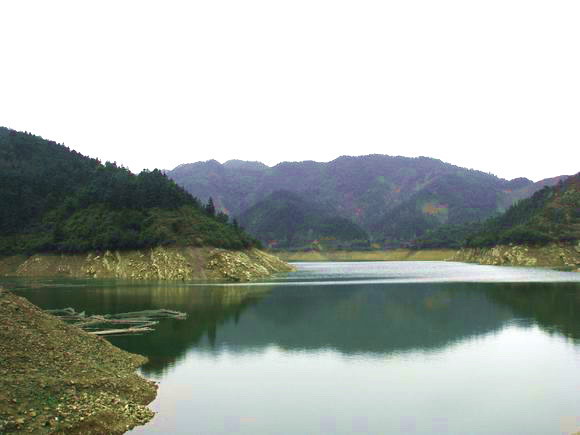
(55, 378)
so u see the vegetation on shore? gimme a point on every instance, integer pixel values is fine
(542, 230)
(57, 200)
(551, 215)
(56, 378)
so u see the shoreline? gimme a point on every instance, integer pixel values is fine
(56, 378)
(173, 263)
(559, 256)
(564, 256)
(390, 255)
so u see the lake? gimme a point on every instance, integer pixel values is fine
(369, 347)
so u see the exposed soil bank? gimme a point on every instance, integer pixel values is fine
(56, 378)
(391, 255)
(165, 263)
(565, 256)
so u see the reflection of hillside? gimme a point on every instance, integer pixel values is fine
(357, 318)
(554, 307)
(367, 318)
(207, 307)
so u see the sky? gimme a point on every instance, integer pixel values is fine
(489, 85)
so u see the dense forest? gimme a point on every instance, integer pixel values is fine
(57, 200)
(285, 220)
(449, 236)
(550, 215)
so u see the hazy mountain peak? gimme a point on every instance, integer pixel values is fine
(245, 164)
(518, 183)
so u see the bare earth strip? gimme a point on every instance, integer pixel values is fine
(390, 255)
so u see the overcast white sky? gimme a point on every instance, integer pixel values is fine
(491, 85)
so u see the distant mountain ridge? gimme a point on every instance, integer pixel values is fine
(393, 199)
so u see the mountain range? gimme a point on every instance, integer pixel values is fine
(393, 200)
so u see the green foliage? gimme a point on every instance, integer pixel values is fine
(210, 207)
(551, 214)
(56, 200)
(449, 236)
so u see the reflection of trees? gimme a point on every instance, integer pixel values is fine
(555, 307)
(358, 318)
(208, 307)
(368, 318)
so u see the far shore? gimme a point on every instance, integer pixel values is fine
(387, 255)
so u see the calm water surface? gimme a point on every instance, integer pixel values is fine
(377, 347)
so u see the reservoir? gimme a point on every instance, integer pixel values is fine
(359, 347)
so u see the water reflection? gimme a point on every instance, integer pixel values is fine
(375, 348)
(208, 309)
(351, 319)
(365, 319)
(552, 306)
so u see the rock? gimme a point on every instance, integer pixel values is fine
(553, 255)
(160, 263)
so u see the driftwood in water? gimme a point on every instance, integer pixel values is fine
(161, 313)
(135, 322)
(123, 331)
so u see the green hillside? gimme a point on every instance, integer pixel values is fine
(447, 200)
(286, 220)
(550, 215)
(57, 200)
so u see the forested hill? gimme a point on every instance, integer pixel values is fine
(286, 220)
(550, 215)
(394, 199)
(57, 200)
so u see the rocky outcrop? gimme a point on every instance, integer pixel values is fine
(554, 255)
(244, 266)
(160, 263)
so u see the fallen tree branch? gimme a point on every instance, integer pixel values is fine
(135, 322)
(121, 331)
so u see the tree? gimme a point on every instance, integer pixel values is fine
(222, 217)
(210, 207)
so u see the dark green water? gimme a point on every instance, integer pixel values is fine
(380, 347)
